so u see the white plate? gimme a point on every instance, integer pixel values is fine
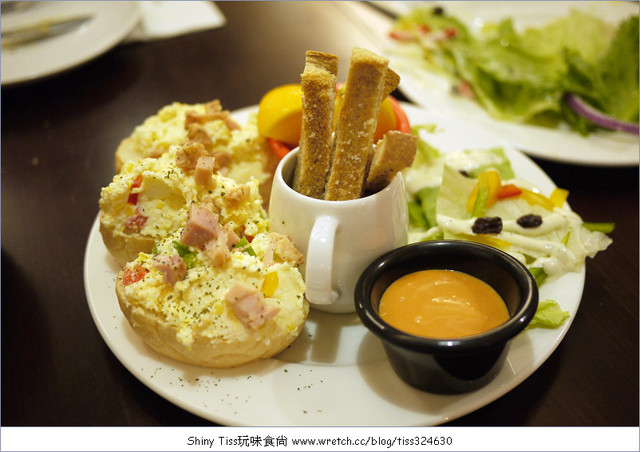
(111, 22)
(336, 372)
(562, 145)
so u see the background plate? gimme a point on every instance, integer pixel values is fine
(562, 145)
(111, 23)
(336, 372)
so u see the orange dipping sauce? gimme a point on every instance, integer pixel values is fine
(442, 304)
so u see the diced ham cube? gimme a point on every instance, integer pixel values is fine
(213, 111)
(223, 159)
(202, 226)
(196, 133)
(232, 237)
(269, 259)
(236, 195)
(156, 152)
(217, 250)
(204, 170)
(173, 268)
(135, 223)
(188, 155)
(249, 306)
(286, 251)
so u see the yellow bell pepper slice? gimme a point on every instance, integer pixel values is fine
(486, 239)
(559, 196)
(270, 284)
(536, 199)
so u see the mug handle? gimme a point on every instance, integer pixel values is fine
(320, 261)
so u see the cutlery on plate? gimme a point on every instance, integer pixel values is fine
(45, 29)
(7, 7)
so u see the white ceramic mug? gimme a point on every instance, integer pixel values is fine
(339, 239)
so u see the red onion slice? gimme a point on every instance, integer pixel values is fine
(597, 117)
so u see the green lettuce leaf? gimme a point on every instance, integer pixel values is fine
(610, 83)
(510, 83)
(524, 76)
(548, 315)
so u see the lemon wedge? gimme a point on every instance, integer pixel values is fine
(280, 114)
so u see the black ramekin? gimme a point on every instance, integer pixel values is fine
(457, 365)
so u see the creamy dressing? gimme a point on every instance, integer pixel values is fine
(552, 256)
(550, 223)
(468, 161)
(420, 176)
(416, 179)
(442, 304)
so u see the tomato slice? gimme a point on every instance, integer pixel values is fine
(403, 121)
(133, 197)
(509, 190)
(279, 148)
(134, 275)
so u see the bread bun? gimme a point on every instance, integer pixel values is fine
(128, 150)
(192, 321)
(199, 317)
(122, 246)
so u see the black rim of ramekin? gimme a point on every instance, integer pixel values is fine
(491, 338)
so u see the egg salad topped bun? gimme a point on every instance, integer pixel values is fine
(206, 123)
(150, 199)
(208, 297)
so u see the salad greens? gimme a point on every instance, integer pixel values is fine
(560, 244)
(538, 230)
(548, 315)
(525, 76)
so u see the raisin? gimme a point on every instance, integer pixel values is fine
(530, 221)
(487, 225)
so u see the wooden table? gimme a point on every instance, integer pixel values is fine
(58, 142)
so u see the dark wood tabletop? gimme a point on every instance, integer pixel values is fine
(58, 140)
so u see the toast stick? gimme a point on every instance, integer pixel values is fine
(393, 153)
(318, 99)
(356, 125)
(391, 82)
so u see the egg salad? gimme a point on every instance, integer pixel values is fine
(150, 198)
(167, 127)
(194, 320)
(176, 123)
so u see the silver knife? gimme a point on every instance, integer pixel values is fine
(44, 29)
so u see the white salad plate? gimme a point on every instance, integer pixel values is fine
(433, 91)
(336, 372)
(110, 23)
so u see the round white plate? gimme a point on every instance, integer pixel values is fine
(111, 22)
(432, 91)
(336, 372)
